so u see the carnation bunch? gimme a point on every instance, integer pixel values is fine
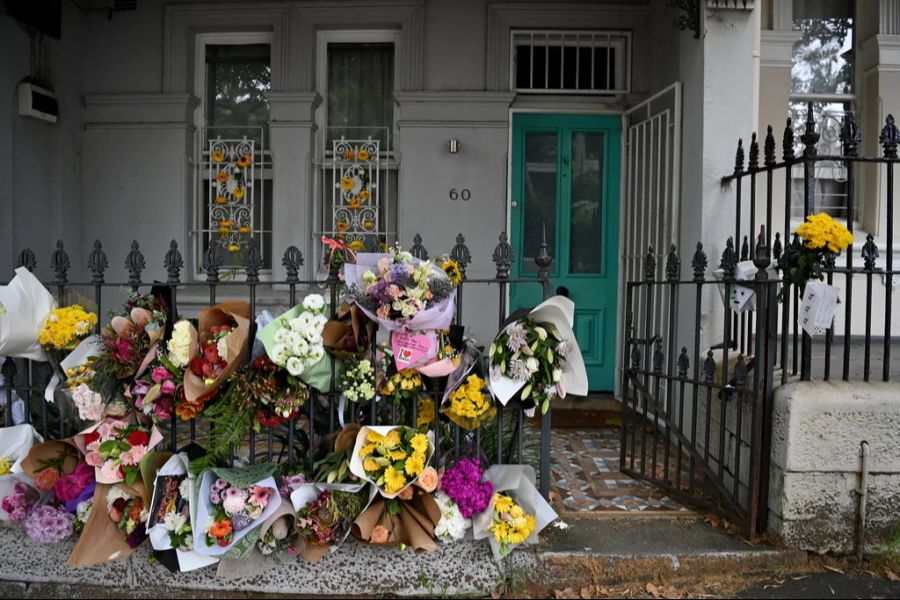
(453, 525)
(823, 240)
(510, 524)
(65, 327)
(234, 509)
(49, 524)
(116, 448)
(358, 380)
(298, 341)
(128, 512)
(534, 353)
(395, 460)
(400, 287)
(462, 482)
(471, 404)
(19, 503)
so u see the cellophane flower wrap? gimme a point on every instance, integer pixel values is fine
(232, 504)
(471, 403)
(823, 239)
(115, 447)
(128, 345)
(464, 484)
(526, 351)
(401, 292)
(391, 457)
(222, 347)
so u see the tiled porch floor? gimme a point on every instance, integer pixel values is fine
(586, 476)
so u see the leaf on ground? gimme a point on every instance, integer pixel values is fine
(799, 577)
(891, 575)
(713, 519)
(594, 591)
(771, 586)
(832, 589)
(554, 497)
(498, 593)
(833, 569)
(667, 591)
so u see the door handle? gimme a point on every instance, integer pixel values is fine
(562, 291)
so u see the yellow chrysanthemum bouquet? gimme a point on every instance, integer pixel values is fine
(65, 328)
(823, 240)
(510, 525)
(470, 404)
(392, 458)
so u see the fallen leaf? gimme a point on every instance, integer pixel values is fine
(832, 589)
(891, 575)
(800, 578)
(669, 592)
(771, 586)
(834, 569)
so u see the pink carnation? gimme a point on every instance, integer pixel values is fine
(133, 456)
(94, 459)
(111, 471)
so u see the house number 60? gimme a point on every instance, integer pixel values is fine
(465, 194)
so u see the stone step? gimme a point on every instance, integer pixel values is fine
(591, 550)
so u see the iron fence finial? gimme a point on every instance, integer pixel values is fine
(97, 263)
(418, 250)
(253, 261)
(173, 263)
(762, 257)
(503, 256)
(769, 147)
(776, 247)
(787, 141)
(135, 264)
(543, 260)
(739, 157)
(809, 138)
(658, 356)
(292, 261)
(699, 263)
(745, 248)
(684, 363)
(728, 264)
(753, 163)
(869, 253)
(740, 372)
(889, 137)
(461, 254)
(650, 264)
(673, 264)
(26, 259)
(213, 261)
(851, 136)
(60, 263)
(709, 367)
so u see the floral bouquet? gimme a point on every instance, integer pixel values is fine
(294, 342)
(262, 396)
(403, 385)
(115, 448)
(464, 484)
(391, 458)
(24, 306)
(63, 330)
(407, 520)
(222, 332)
(232, 504)
(350, 333)
(467, 400)
(127, 510)
(128, 345)
(158, 389)
(401, 292)
(449, 351)
(324, 515)
(539, 355)
(358, 380)
(15, 443)
(453, 525)
(170, 522)
(823, 240)
(335, 467)
(276, 534)
(517, 512)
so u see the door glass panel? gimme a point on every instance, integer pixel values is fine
(541, 153)
(586, 235)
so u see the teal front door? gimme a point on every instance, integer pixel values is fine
(565, 177)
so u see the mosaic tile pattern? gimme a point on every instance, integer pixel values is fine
(586, 476)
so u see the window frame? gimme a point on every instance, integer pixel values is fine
(267, 171)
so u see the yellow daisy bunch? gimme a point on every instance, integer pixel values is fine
(511, 524)
(821, 231)
(66, 327)
(396, 459)
(406, 383)
(471, 404)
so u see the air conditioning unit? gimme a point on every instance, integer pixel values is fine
(37, 102)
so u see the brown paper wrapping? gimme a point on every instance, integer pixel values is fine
(31, 464)
(226, 313)
(101, 540)
(348, 323)
(414, 526)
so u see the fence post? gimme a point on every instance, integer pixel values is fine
(544, 261)
(809, 138)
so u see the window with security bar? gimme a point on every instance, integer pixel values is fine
(358, 174)
(822, 73)
(570, 62)
(234, 181)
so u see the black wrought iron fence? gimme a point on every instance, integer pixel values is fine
(698, 411)
(298, 441)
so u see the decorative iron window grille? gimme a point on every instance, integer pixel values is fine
(570, 62)
(356, 191)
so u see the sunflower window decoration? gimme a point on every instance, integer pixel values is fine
(355, 205)
(231, 198)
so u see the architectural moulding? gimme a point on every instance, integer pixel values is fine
(139, 109)
(458, 109)
(777, 48)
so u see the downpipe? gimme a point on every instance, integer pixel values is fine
(862, 493)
